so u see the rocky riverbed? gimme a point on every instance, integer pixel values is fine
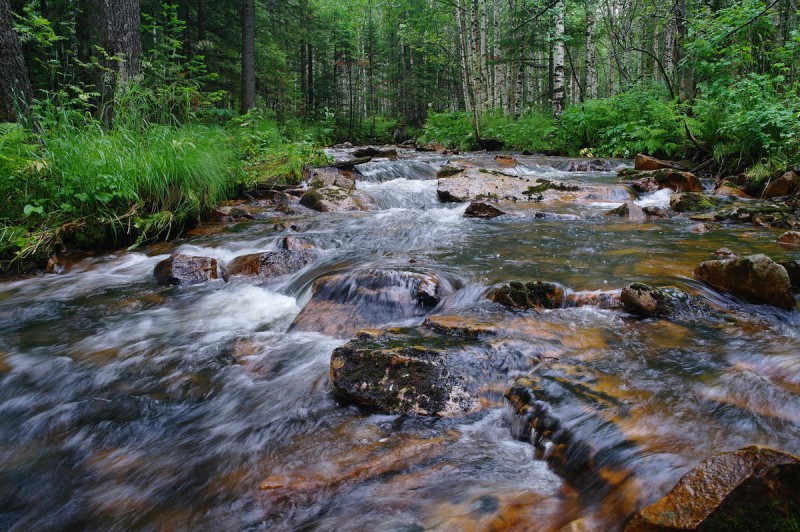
(421, 340)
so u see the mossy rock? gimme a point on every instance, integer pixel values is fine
(530, 295)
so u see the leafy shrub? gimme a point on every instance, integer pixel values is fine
(532, 131)
(453, 130)
(640, 120)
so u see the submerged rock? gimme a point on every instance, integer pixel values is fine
(482, 210)
(269, 263)
(755, 278)
(631, 211)
(754, 488)
(342, 304)
(646, 300)
(530, 295)
(185, 269)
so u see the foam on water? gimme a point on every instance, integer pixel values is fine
(659, 198)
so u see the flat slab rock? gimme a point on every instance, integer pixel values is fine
(755, 488)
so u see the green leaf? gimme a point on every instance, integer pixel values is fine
(30, 209)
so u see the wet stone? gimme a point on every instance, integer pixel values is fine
(335, 199)
(530, 295)
(645, 162)
(405, 372)
(754, 488)
(269, 263)
(342, 304)
(185, 269)
(646, 300)
(793, 270)
(755, 278)
(790, 239)
(629, 211)
(678, 181)
(788, 183)
(692, 202)
(482, 210)
(291, 243)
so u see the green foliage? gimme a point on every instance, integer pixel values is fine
(533, 131)
(751, 121)
(453, 130)
(640, 120)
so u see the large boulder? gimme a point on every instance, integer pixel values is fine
(787, 184)
(329, 176)
(269, 263)
(335, 199)
(678, 181)
(755, 278)
(645, 162)
(755, 488)
(692, 202)
(404, 372)
(342, 304)
(531, 295)
(793, 269)
(482, 210)
(185, 269)
(646, 300)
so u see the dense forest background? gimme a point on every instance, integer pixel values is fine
(246, 91)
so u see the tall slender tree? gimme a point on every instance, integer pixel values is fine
(248, 55)
(16, 94)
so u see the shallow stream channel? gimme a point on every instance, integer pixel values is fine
(127, 404)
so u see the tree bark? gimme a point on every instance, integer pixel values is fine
(120, 28)
(248, 55)
(558, 60)
(16, 94)
(591, 57)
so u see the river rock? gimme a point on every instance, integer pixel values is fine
(592, 165)
(645, 162)
(727, 188)
(398, 373)
(342, 304)
(506, 160)
(351, 163)
(185, 269)
(567, 412)
(754, 488)
(291, 243)
(789, 239)
(370, 151)
(755, 278)
(482, 210)
(329, 176)
(631, 211)
(530, 295)
(793, 269)
(655, 212)
(646, 300)
(691, 202)
(787, 184)
(678, 181)
(269, 263)
(335, 199)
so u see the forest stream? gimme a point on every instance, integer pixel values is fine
(127, 404)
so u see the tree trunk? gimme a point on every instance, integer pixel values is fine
(16, 95)
(120, 28)
(558, 60)
(591, 58)
(248, 55)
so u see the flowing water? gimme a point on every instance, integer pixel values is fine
(129, 405)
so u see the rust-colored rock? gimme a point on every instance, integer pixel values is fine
(269, 263)
(185, 269)
(789, 239)
(645, 162)
(482, 210)
(646, 300)
(335, 199)
(754, 488)
(755, 278)
(506, 160)
(678, 181)
(787, 184)
(729, 189)
(291, 243)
